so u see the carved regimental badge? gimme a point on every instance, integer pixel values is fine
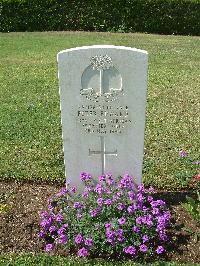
(101, 80)
(101, 112)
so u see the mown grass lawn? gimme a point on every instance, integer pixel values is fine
(31, 142)
(44, 260)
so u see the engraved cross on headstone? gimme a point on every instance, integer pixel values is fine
(103, 154)
(102, 63)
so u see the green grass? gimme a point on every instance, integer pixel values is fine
(46, 260)
(31, 143)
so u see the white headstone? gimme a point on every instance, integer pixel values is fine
(103, 98)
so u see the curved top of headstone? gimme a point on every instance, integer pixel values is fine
(103, 47)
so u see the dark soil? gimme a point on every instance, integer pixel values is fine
(24, 201)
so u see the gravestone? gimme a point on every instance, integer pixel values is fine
(103, 98)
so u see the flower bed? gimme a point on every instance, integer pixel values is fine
(110, 218)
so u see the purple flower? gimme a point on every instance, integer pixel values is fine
(150, 198)
(139, 220)
(119, 194)
(160, 250)
(130, 209)
(62, 239)
(78, 239)
(108, 225)
(122, 221)
(62, 192)
(108, 202)
(83, 252)
(86, 191)
(141, 188)
(143, 248)
(161, 203)
(120, 206)
(72, 189)
(136, 229)
(100, 201)
(120, 236)
(135, 206)
(85, 194)
(163, 236)
(50, 204)
(115, 198)
(149, 221)
(156, 203)
(59, 218)
(50, 207)
(85, 176)
(110, 233)
(107, 190)
(167, 216)
(145, 209)
(183, 153)
(145, 238)
(49, 247)
(88, 242)
(109, 176)
(93, 213)
(50, 200)
(46, 223)
(140, 197)
(102, 178)
(62, 229)
(88, 188)
(126, 182)
(41, 234)
(131, 195)
(120, 232)
(151, 189)
(163, 221)
(110, 182)
(109, 179)
(111, 240)
(82, 176)
(65, 226)
(77, 205)
(44, 215)
(155, 211)
(79, 215)
(99, 189)
(130, 250)
(160, 227)
(52, 229)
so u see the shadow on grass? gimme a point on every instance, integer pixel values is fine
(175, 197)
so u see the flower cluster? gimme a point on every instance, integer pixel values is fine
(112, 216)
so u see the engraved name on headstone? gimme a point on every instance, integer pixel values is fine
(103, 98)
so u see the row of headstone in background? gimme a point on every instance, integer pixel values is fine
(103, 97)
